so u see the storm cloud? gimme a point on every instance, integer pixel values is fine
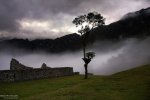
(53, 18)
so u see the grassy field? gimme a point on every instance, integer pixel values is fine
(133, 84)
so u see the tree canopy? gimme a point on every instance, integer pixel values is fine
(88, 21)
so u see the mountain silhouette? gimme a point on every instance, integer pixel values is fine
(135, 24)
(132, 25)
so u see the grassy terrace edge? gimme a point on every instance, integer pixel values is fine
(133, 84)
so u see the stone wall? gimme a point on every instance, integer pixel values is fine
(18, 73)
(15, 65)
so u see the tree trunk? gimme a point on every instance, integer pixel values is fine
(86, 71)
(84, 46)
(84, 51)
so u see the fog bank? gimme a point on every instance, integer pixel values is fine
(111, 57)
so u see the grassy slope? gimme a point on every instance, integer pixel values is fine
(133, 84)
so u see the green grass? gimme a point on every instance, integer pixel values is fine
(133, 84)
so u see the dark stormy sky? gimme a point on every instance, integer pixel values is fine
(53, 18)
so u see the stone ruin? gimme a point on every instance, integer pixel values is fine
(15, 65)
(20, 72)
(44, 66)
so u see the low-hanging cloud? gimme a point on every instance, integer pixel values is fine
(58, 14)
(132, 53)
(111, 57)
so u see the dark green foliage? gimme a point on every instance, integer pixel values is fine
(69, 42)
(90, 55)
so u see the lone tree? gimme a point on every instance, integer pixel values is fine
(86, 23)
